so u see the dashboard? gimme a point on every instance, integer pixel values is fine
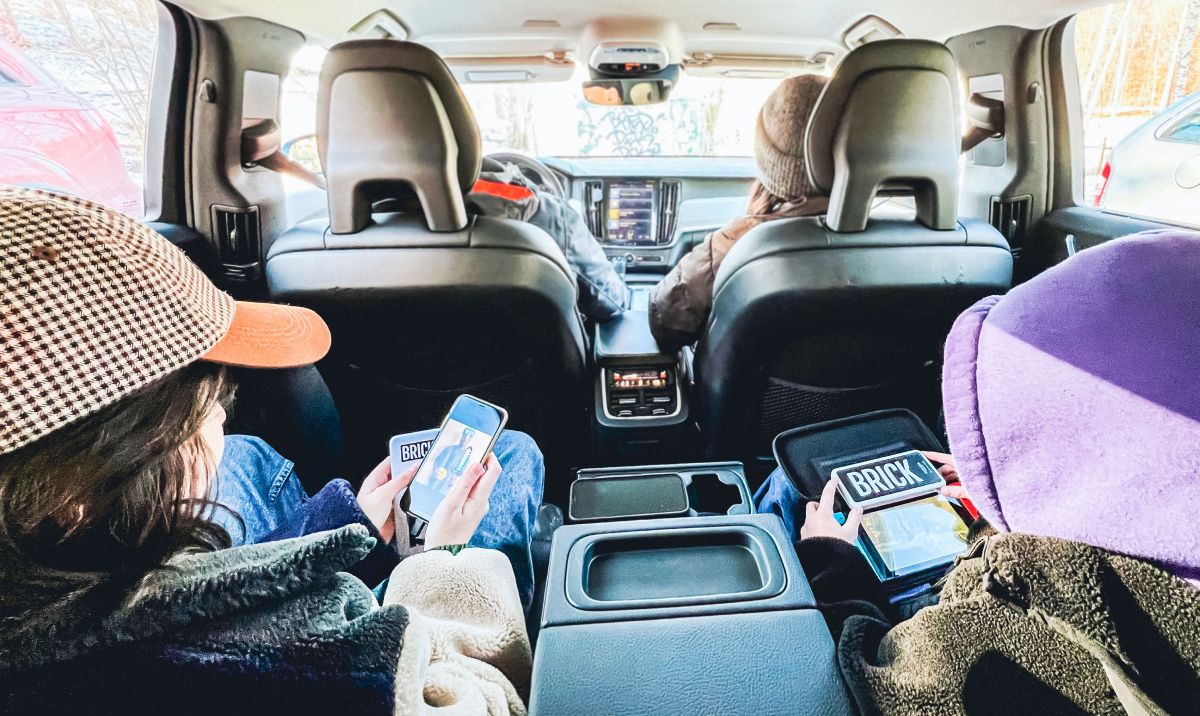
(650, 211)
(631, 212)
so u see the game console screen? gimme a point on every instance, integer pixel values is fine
(914, 536)
(449, 457)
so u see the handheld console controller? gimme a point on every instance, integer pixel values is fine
(887, 480)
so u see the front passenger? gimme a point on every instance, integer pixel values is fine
(681, 302)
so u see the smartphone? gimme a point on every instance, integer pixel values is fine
(464, 439)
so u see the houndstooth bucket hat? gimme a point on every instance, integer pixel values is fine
(94, 306)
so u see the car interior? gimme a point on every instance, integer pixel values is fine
(948, 140)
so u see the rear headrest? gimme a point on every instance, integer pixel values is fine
(393, 124)
(888, 121)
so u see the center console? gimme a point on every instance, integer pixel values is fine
(641, 403)
(682, 616)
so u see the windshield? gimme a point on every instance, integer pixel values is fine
(705, 116)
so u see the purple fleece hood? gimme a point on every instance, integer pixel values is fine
(1073, 402)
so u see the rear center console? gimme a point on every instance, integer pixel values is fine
(641, 406)
(668, 597)
(682, 616)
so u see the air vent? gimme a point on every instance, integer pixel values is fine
(593, 206)
(668, 210)
(1011, 218)
(239, 242)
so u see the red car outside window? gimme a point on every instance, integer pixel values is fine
(50, 138)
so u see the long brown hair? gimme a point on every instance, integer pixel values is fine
(762, 201)
(112, 494)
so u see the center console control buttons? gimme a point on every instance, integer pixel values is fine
(641, 392)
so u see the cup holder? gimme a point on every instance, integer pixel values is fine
(711, 494)
(659, 491)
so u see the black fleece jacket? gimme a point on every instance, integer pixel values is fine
(843, 583)
(1022, 624)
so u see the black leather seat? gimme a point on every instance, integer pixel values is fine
(823, 317)
(424, 301)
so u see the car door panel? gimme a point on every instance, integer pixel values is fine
(1086, 228)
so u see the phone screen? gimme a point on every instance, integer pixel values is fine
(465, 438)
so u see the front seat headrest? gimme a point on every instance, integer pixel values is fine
(393, 124)
(888, 122)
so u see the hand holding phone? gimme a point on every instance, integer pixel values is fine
(458, 516)
(465, 439)
(378, 493)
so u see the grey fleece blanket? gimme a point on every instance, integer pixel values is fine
(1036, 625)
(270, 628)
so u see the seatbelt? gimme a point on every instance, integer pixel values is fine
(986, 117)
(261, 147)
(280, 163)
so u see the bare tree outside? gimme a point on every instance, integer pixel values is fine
(1187, 50)
(1135, 60)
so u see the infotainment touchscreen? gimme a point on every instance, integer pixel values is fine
(631, 213)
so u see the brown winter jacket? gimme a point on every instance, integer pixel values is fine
(681, 302)
(1030, 625)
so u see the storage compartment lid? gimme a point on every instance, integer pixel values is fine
(628, 497)
(809, 454)
(696, 489)
(678, 567)
(661, 569)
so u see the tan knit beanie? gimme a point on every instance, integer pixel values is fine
(779, 137)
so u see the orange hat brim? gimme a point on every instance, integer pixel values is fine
(270, 335)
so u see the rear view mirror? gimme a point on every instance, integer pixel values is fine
(627, 91)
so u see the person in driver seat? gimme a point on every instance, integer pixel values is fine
(1073, 409)
(681, 302)
(120, 591)
(503, 191)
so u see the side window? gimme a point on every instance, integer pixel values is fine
(1187, 130)
(75, 82)
(298, 127)
(298, 118)
(1139, 77)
